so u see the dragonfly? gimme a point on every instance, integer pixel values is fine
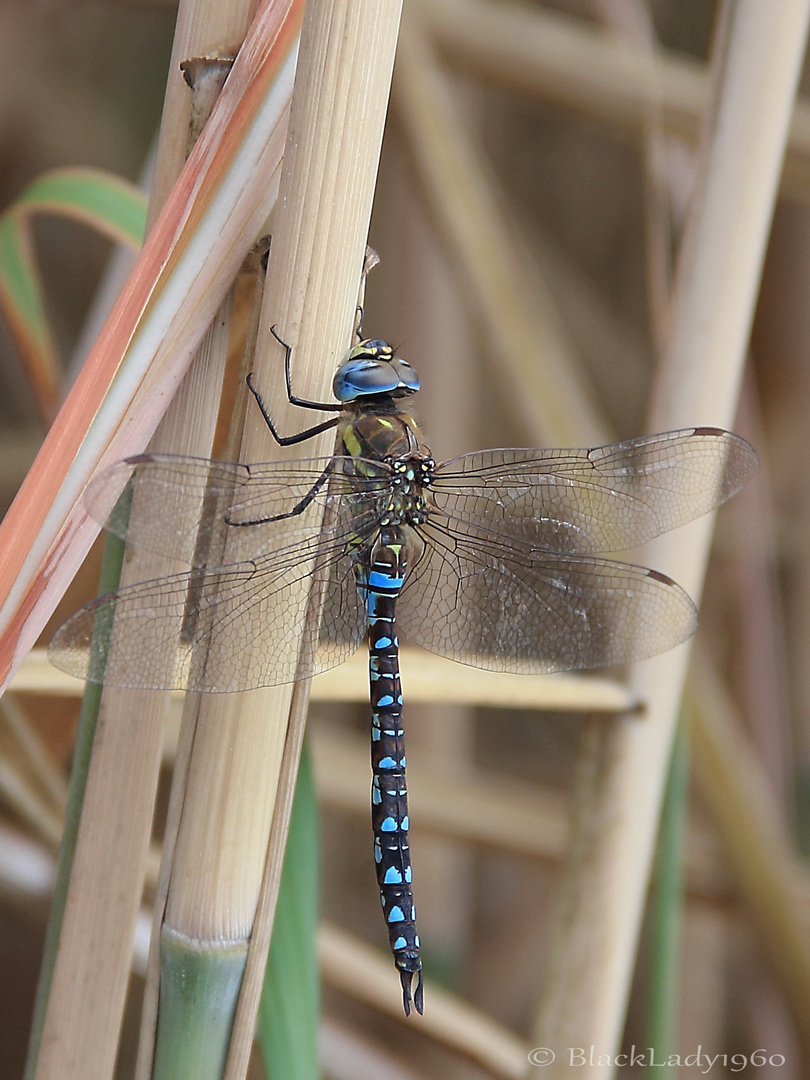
(497, 559)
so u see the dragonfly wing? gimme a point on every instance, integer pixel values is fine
(586, 501)
(185, 507)
(512, 607)
(171, 490)
(259, 622)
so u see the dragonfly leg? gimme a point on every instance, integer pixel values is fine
(322, 406)
(299, 507)
(302, 436)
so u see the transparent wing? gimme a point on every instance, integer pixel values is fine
(180, 504)
(255, 622)
(596, 500)
(513, 607)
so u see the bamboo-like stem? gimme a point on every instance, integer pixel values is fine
(63, 945)
(182, 430)
(232, 779)
(715, 289)
(214, 963)
(108, 874)
(319, 245)
(204, 31)
(189, 426)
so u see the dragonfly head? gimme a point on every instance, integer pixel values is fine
(372, 369)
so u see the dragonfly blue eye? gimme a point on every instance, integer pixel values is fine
(370, 369)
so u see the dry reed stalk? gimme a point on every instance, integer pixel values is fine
(240, 741)
(716, 286)
(189, 427)
(113, 843)
(203, 31)
(191, 422)
(514, 817)
(468, 804)
(555, 57)
(319, 245)
(630, 22)
(543, 54)
(185, 268)
(774, 884)
(430, 678)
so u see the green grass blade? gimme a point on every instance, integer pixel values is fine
(667, 907)
(106, 203)
(290, 1005)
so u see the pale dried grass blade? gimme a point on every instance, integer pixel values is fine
(482, 808)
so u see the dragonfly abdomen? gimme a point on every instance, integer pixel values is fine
(383, 579)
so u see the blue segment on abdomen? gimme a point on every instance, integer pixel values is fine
(383, 581)
(376, 580)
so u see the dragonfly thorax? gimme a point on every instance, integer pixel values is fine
(370, 370)
(409, 481)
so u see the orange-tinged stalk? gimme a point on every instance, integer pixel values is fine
(190, 257)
